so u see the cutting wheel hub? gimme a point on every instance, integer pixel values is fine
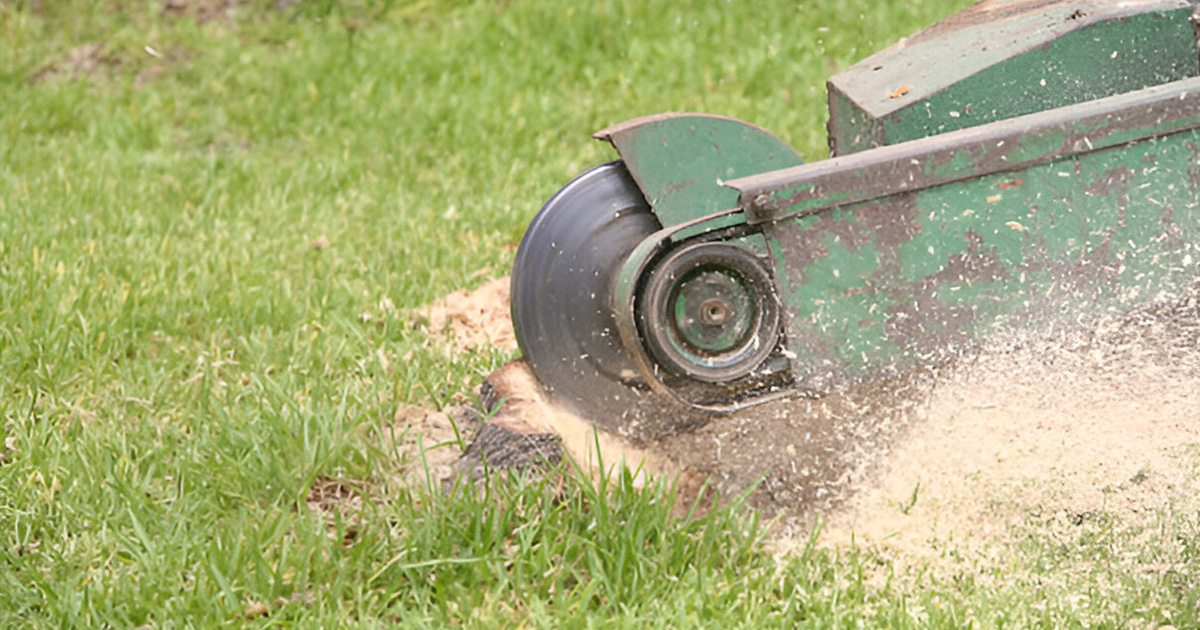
(709, 312)
(712, 310)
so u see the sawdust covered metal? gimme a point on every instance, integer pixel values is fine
(1018, 165)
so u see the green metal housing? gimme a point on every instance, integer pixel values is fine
(1023, 164)
(903, 254)
(1001, 59)
(682, 161)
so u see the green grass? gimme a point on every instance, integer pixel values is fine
(180, 361)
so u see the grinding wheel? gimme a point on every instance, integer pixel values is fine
(562, 285)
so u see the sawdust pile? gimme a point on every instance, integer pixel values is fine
(952, 461)
(1100, 422)
(427, 443)
(803, 457)
(471, 321)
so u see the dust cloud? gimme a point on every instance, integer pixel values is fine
(952, 459)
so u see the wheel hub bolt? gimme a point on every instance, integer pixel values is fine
(714, 312)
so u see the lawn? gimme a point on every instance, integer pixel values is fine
(215, 220)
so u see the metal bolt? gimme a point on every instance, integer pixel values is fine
(714, 312)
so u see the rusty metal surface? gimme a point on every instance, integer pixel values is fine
(907, 255)
(1005, 58)
(1004, 146)
(920, 277)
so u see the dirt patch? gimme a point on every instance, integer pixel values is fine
(99, 62)
(338, 502)
(201, 10)
(426, 443)
(423, 446)
(83, 62)
(471, 321)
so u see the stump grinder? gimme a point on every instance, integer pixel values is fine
(1022, 164)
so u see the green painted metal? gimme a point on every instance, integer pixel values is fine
(1018, 224)
(1069, 188)
(908, 254)
(681, 161)
(916, 277)
(1003, 146)
(1005, 58)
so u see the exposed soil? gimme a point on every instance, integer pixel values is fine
(202, 10)
(80, 63)
(424, 440)
(1099, 420)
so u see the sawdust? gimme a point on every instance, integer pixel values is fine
(1099, 423)
(426, 443)
(941, 465)
(795, 459)
(471, 321)
(526, 403)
